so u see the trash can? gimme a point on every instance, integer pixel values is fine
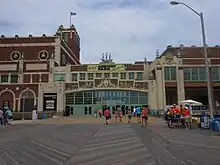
(204, 120)
(216, 125)
(44, 116)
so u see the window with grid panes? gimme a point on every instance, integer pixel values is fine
(74, 76)
(98, 75)
(115, 75)
(82, 76)
(187, 74)
(106, 75)
(202, 74)
(195, 74)
(4, 78)
(123, 76)
(131, 75)
(170, 73)
(90, 76)
(139, 75)
(14, 78)
(215, 73)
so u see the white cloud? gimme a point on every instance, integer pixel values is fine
(130, 29)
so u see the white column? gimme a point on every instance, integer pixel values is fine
(160, 88)
(180, 84)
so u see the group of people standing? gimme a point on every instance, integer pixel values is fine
(141, 113)
(5, 116)
(175, 115)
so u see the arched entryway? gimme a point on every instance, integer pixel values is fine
(7, 99)
(27, 101)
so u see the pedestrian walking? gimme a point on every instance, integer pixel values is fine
(107, 115)
(138, 114)
(100, 113)
(129, 116)
(9, 116)
(1, 116)
(144, 118)
(120, 116)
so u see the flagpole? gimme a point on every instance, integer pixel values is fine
(70, 19)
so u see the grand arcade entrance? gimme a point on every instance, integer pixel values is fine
(87, 102)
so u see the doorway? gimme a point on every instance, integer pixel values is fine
(85, 111)
(71, 111)
(90, 110)
(27, 101)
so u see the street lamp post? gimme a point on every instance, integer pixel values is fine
(205, 53)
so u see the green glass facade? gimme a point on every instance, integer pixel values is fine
(93, 100)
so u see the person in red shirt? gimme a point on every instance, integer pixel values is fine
(107, 115)
(176, 110)
(144, 114)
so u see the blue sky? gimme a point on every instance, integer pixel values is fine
(130, 29)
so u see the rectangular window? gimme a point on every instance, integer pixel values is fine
(115, 75)
(82, 76)
(14, 78)
(59, 77)
(98, 75)
(107, 75)
(139, 75)
(173, 73)
(131, 75)
(187, 74)
(90, 76)
(202, 74)
(4, 78)
(195, 74)
(215, 73)
(74, 76)
(123, 76)
(170, 73)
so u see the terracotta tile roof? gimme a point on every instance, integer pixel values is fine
(193, 52)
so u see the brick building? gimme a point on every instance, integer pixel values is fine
(46, 71)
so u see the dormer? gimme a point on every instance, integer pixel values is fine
(16, 36)
(30, 36)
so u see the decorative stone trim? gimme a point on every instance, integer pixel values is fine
(15, 56)
(43, 55)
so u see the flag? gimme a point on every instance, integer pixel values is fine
(72, 14)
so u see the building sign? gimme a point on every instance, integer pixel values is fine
(50, 102)
(111, 67)
(92, 67)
